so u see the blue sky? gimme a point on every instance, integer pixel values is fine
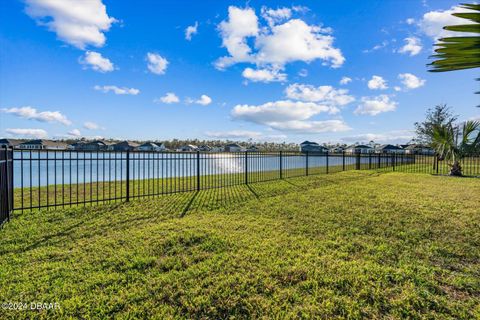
(266, 70)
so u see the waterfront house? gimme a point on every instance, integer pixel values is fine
(359, 148)
(338, 149)
(76, 145)
(40, 144)
(188, 148)
(14, 143)
(216, 149)
(96, 145)
(418, 149)
(204, 148)
(151, 146)
(389, 148)
(308, 146)
(233, 147)
(124, 146)
(252, 148)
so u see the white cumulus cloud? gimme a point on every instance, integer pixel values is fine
(275, 16)
(376, 105)
(411, 81)
(168, 98)
(190, 31)
(278, 111)
(264, 75)
(295, 40)
(323, 126)
(241, 23)
(117, 90)
(413, 46)
(394, 137)
(97, 62)
(156, 63)
(432, 22)
(323, 94)
(345, 80)
(291, 116)
(282, 40)
(92, 126)
(79, 23)
(31, 113)
(28, 133)
(410, 21)
(377, 83)
(234, 134)
(74, 133)
(204, 100)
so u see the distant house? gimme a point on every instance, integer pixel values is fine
(252, 148)
(216, 149)
(96, 145)
(359, 148)
(338, 149)
(233, 147)
(418, 149)
(14, 143)
(308, 146)
(76, 145)
(151, 146)
(188, 148)
(124, 146)
(40, 144)
(204, 148)
(389, 148)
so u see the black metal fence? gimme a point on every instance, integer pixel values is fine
(33, 179)
(6, 184)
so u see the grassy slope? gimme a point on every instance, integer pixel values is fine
(351, 244)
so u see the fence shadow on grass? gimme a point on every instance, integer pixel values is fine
(91, 221)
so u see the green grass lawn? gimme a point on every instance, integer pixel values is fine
(357, 244)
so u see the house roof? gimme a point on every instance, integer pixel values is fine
(126, 143)
(77, 143)
(88, 143)
(48, 143)
(416, 146)
(389, 147)
(11, 142)
(306, 142)
(233, 145)
(360, 146)
(149, 144)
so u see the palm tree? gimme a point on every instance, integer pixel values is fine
(454, 142)
(458, 53)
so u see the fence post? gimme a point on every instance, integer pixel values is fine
(198, 170)
(394, 156)
(128, 175)
(12, 202)
(437, 164)
(343, 160)
(246, 167)
(326, 159)
(369, 160)
(357, 165)
(306, 163)
(281, 165)
(7, 184)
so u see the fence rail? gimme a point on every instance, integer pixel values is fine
(33, 179)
